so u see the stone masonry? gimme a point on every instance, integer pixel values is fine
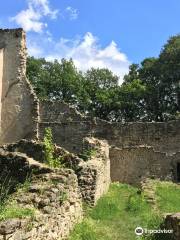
(92, 151)
(22, 116)
(18, 104)
(52, 196)
(137, 150)
(93, 174)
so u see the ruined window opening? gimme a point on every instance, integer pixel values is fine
(178, 172)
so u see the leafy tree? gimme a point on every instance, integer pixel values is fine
(150, 91)
(161, 79)
(54, 80)
(99, 85)
(132, 75)
(169, 60)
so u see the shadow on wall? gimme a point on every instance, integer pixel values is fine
(18, 102)
(133, 164)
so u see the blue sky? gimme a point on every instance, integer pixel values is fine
(95, 33)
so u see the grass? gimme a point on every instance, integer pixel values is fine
(14, 211)
(168, 196)
(9, 208)
(120, 211)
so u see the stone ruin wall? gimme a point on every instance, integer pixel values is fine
(70, 127)
(23, 117)
(93, 174)
(133, 165)
(141, 149)
(55, 195)
(136, 150)
(18, 104)
(162, 136)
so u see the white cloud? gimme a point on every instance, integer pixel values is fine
(30, 19)
(44, 8)
(72, 12)
(87, 53)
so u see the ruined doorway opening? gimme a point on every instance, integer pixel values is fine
(178, 172)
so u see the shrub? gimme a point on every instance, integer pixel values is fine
(54, 162)
(87, 154)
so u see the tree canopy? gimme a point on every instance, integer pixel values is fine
(149, 92)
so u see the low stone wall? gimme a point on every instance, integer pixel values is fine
(31, 148)
(94, 175)
(55, 196)
(16, 167)
(52, 194)
(56, 202)
(133, 164)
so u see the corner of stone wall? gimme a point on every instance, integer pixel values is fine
(94, 174)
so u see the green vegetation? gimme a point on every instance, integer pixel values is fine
(87, 154)
(5, 186)
(50, 159)
(168, 196)
(149, 92)
(119, 212)
(8, 207)
(12, 210)
(24, 187)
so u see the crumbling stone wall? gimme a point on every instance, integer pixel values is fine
(17, 166)
(18, 104)
(20, 112)
(129, 160)
(70, 128)
(49, 112)
(53, 195)
(93, 174)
